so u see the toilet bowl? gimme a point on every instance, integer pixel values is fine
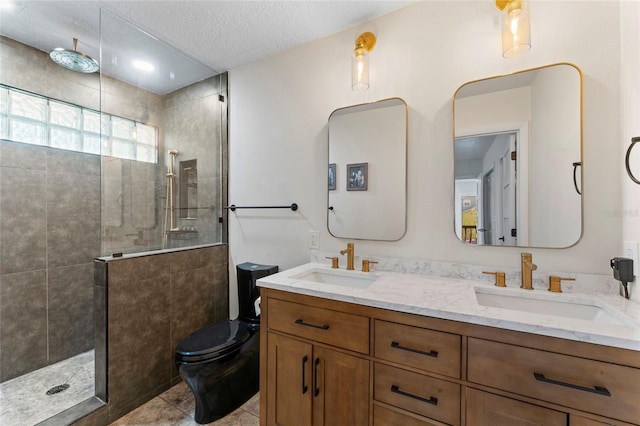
(221, 362)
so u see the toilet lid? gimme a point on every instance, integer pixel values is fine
(215, 339)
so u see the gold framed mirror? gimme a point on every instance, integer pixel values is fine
(518, 158)
(367, 172)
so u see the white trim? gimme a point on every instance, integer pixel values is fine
(523, 159)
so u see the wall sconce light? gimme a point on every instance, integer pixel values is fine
(360, 64)
(516, 29)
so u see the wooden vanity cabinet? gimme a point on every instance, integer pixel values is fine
(314, 375)
(336, 363)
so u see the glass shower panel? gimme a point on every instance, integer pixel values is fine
(4, 107)
(147, 148)
(91, 132)
(49, 230)
(175, 114)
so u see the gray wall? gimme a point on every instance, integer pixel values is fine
(49, 236)
(153, 302)
(199, 137)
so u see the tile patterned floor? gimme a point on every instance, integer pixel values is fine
(24, 400)
(177, 407)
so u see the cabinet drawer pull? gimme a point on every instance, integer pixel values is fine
(397, 345)
(596, 389)
(316, 389)
(322, 327)
(304, 381)
(433, 400)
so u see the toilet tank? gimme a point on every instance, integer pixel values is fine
(248, 273)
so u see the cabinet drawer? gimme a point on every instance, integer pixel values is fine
(335, 328)
(417, 393)
(582, 421)
(486, 409)
(593, 386)
(417, 347)
(383, 416)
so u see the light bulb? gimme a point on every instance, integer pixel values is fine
(360, 70)
(516, 29)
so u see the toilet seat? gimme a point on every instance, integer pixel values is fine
(215, 341)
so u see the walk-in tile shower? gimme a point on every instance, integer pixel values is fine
(83, 173)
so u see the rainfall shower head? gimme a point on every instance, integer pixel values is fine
(74, 60)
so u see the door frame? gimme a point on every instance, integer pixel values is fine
(522, 164)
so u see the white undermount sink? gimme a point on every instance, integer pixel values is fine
(352, 279)
(549, 304)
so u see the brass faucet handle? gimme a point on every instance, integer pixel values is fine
(500, 278)
(334, 262)
(555, 283)
(366, 263)
(527, 259)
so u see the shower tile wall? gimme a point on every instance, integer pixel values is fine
(134, 193)
(49, 235)
(131, 220)
(30, 69)
(193, 118)
(50, 207)
(126, 182)
(163, 297)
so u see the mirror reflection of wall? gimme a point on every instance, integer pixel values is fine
(516, 140)
(367, 171)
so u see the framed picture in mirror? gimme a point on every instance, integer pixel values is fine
(332, 177)
(357, 176)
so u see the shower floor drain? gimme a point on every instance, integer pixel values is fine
(57, 389)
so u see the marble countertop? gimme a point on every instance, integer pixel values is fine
(455, 299)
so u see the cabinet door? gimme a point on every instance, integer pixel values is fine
(486, 409)
(290, 388)
(341, 389)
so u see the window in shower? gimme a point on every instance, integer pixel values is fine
(37, 120)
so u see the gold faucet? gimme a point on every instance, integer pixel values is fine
(527, 267)
(350, 255)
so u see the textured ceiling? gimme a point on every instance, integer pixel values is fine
(219, 34)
